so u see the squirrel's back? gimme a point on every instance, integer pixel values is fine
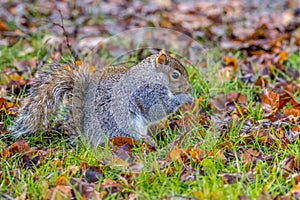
(98, 122)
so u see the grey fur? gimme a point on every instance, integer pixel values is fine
(114, 101)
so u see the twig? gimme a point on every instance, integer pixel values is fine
(62, 26)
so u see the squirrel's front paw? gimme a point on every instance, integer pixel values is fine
(185, 98)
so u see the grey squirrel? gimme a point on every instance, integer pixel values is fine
(114, 101)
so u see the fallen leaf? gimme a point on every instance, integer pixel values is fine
(110, 186)
(20, 146)
(295, 192)
(175, 154)
(3, 27)
(86, 190)
(120, 141)
(270, 102)
(61, 192)
(93, 174)
(289, 164)
(230, 62)
(61, 180)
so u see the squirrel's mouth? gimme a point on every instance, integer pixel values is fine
(182, 90)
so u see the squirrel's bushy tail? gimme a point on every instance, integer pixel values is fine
(47, 93)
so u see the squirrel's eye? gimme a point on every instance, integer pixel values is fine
(175, 74)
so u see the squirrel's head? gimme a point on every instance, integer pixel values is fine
(175, 72)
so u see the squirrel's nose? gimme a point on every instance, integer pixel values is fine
(189, 88)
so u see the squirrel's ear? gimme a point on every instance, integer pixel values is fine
(162, 58)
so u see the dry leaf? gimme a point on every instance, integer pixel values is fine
(270, 102)
(20, 146)
(61, 180)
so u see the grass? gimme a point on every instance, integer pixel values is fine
(153, 182)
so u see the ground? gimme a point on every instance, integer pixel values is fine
(240, 138)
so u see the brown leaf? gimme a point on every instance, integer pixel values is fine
(22, 196)
(78, 63)
(121, 141)
(3, 27)
(73, 170)
(132, 196)
(7, 107)
(230, 178)
(25, 66)
(123, 153)
(93, 174)
(187, 174)
(235, 97)
(2, 102)
(20, 146)
(230, 62)
(128, 178)
(115, 161)
(296, 191)
(270, 102)
(219, 103)
(197, 155)
(289, 164)
(60, 192)
(175, 154)
(110, 185)
(249, 155)
(136, 167)
(56, 163)
(282, 56)
(292, 114)
(185, 155)
(285, 99)
(261, 81)
(86, 190)
(293, 134)
(219, 154)
(61, 180)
